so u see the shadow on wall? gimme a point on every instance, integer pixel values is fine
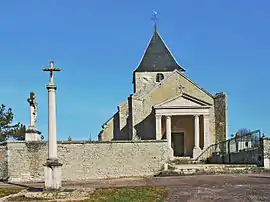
(117, 133)
(146, 129)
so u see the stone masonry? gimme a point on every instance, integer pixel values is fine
(221, 116)
(23, 161)
(266, 152)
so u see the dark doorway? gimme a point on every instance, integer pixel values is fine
(178, 144)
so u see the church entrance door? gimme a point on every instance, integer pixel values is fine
(178, 144)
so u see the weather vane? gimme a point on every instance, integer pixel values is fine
(155, 18)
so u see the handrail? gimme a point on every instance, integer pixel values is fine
(222, 146)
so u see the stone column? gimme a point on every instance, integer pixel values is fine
(196, 149)
(52, 168)
(206, 131)
(158, 127)
(169, 130)
(169, 133)
(52, 152)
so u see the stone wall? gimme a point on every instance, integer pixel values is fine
(108, 129)
(88, 160)
(143, 81)
(221, 117)
(266, 152)
(3, 161)
(251, 156)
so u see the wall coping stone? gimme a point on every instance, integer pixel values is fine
(91, 142)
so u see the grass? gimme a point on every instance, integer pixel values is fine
(121, 194)
(8, 191)
(130, 194)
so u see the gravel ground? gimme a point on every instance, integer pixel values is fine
(249, 187)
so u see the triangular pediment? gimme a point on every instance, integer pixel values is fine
(183, 100)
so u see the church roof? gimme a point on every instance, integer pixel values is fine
(157, 57)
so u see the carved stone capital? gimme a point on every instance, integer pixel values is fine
(168, 117)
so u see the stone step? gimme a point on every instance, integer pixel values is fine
(183, 160)
(192, 169)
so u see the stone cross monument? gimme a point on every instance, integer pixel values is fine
(52, 168)
(32, 134)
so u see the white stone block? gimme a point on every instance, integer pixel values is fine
(267, 163)
(52, 172)
(32, 135)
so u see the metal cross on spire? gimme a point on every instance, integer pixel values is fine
(155, 18)
(51, 69)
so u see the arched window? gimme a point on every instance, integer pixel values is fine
(159, 77)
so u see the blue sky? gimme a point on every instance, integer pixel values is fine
(223, 45)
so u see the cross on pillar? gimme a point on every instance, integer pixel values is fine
(52, 169)
(51, 69)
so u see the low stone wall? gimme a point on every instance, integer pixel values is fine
(266, 152)
(87, 160)
(251, 156)
(3, 161)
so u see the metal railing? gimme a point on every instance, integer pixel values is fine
(239, 143)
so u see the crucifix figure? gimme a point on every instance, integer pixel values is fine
(51, 69)
(33, 109)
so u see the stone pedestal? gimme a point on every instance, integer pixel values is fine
(32, 135)
(53, 174)
(196, 152)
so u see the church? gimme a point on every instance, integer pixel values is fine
(167, 105)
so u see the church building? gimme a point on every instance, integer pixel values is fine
(168, 105)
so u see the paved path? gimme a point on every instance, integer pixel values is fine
(253, 187)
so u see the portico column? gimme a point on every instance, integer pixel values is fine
(158, 127)
(206, 131)
(196, 149)
(169, 130)
(196, 131)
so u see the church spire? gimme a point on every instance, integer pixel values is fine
(157, 57)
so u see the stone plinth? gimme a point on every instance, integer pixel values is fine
(32, 135)
(52, 171)
(196, 152)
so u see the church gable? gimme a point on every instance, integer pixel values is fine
(183, 100)
(173, 85)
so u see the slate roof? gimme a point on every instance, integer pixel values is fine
(157, 57)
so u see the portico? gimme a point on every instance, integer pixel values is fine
(191, 122)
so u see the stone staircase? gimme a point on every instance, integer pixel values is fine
(187, 166)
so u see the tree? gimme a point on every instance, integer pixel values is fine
(19, 132)
(7, 130)
(243, 131)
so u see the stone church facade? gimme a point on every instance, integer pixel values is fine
(166, 104)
